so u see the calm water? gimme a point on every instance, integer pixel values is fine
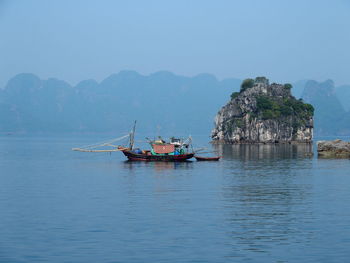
(258, 204)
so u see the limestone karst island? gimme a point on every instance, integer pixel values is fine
(264, 113)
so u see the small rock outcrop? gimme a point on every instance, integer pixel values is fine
(333, 149)
(264, 113)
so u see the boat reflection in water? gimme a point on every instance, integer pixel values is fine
(159, 166)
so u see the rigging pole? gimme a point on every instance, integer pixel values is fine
(97, 147)
(132, 136)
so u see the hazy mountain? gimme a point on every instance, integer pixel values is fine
(329, 112)
(298, 88)
(343, 93)
(161, 102)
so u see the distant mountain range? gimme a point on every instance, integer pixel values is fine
(162, 103)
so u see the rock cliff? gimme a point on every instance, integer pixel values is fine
(264, 113)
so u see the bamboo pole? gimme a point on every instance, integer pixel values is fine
(97, 151)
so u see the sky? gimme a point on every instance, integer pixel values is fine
(285, 40)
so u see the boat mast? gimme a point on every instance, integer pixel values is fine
(132, 136)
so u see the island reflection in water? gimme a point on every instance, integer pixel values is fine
(264, 198)
(264, 151)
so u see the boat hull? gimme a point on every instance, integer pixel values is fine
(199, 158)
(157, 158)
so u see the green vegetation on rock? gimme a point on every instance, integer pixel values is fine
(272, 108)
(247, 84)
(234, 95)
(288, 86)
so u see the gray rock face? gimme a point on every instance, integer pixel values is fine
(264, 113)
(333, 149)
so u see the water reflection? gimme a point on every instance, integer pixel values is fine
(264, 198)
(158, 167)
(261, 217)
(264, 151)
(260, 203)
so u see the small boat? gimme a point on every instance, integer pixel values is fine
(200, 158)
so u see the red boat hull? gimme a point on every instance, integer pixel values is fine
(157, 158)
(198, 158)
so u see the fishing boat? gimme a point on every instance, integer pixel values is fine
(147, 155)
(175, 150)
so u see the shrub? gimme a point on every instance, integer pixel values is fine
(268, 114)
(234, 95)
(247, 84)
(309, 108)
(288, 86)
(286, 110)
(288, 102)
(264, 103)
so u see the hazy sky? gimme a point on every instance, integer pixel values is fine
(74, 40)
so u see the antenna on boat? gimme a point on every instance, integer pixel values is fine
(132, 136)
(190, 142)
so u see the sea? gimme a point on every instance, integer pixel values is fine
(259, 203)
